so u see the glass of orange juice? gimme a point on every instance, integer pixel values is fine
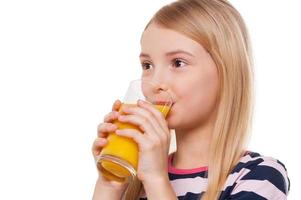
(118, 160)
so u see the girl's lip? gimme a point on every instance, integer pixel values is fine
(164, 103)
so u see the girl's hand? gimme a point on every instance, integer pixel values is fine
(105, 128)
(102, 132)
(153, 142)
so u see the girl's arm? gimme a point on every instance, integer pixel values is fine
(160, 188)
(105, 189)
(102, 191)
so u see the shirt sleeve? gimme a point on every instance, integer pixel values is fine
(266, 181)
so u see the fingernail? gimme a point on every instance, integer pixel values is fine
(141, 102)
(103, 139)
(113, 126)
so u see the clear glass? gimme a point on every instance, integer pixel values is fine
(118, 160)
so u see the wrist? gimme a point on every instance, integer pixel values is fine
(156, 180)
(108, 190)
(159, 188)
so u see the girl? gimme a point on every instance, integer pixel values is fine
(199, 51)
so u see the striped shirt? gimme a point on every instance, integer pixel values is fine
(255, 177)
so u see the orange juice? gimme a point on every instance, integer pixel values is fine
(124, 148)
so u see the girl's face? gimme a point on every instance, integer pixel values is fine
(184, 68)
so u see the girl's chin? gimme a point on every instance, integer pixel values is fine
(171, 121)
(172, 117)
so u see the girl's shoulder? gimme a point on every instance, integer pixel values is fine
(258, 176)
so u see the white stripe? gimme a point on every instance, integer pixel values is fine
(194, 185)
(248, 158)
(232, 178)
(182, 186)
(262, 188)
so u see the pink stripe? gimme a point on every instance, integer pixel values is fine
(262, 188)
(174, 170)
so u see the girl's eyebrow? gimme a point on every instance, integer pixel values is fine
(178, 51)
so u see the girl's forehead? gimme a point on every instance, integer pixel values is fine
(158, 38)
(155, 32)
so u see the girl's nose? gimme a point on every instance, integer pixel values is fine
(160, 79)
(161, 86)
(160, 82)
(158, 90)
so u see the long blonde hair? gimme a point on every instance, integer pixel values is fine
(220, 29)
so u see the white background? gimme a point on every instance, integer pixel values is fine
(63, 63)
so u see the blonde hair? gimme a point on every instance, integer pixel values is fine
(220, 29)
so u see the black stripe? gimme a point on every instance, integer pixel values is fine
(172, 176)
(248, 165)
(281, 164)
(267, 173)
(226, 193)
(254, 154)
(191, 196)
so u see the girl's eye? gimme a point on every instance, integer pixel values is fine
(146, 66)
(178, 63)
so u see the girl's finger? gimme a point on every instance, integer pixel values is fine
(117, 104)
(111, 116)
(136, 135)
(104, 128)
(147, 117)
(144, 125)
(155, 112)
(98, 144)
